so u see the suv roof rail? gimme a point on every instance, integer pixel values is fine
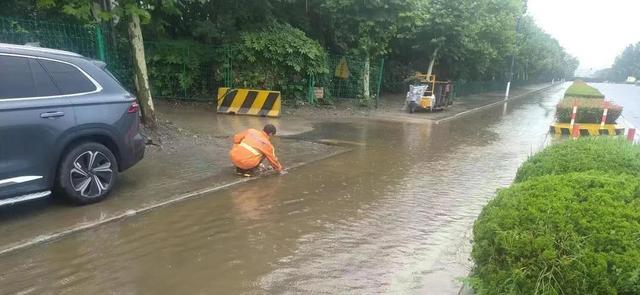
(39, 49)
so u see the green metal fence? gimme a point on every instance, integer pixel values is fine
(76, 38)
(187, 70)
(182, 69)
(465, 88)
(94, 41)
(345, 78)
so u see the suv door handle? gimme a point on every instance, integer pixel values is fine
(51, 115)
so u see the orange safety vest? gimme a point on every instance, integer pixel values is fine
(250, 147)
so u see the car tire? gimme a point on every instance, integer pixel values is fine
(87, 173)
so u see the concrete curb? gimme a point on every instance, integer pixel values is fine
(130, 213)
(462, 114)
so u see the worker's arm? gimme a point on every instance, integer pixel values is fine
(271, 157)
(237, 139)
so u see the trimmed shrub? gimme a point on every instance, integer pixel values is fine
(592, 153)
(572, 234)
(589, 111)
(279, 57)
(581, 89)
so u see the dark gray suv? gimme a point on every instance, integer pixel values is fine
(66, 125)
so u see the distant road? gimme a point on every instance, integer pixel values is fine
(626, 95)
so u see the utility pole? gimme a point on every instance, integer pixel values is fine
(513, 56)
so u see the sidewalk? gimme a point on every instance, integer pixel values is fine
(390, 108)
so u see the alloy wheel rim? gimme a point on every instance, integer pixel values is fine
(91, 175)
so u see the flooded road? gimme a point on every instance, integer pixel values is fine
(625, 95)
(391, 216)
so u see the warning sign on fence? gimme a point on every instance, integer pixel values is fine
(319, 92)
(342, 70)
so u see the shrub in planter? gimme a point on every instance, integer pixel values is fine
(582, 90)
(595, 153)
(589, 111)
(572, 234)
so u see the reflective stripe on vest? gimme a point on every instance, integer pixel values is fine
(251, 149)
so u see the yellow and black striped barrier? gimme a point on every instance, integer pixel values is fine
(241, 101)
(586, 129)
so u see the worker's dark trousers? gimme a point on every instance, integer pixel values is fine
(247, 171)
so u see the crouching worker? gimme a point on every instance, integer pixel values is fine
(250, 147)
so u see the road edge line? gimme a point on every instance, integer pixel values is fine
(42, 239)
(480, 108)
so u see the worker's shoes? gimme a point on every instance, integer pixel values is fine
(243, 172)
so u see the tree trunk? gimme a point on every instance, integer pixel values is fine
(365, 78)
(141, 76)
(433, 61)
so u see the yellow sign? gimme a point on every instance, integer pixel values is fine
(342, 70)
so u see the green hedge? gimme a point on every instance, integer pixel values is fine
(570, 234)
(593, 153)
(589, 111)
(581, 89)
(569, 225)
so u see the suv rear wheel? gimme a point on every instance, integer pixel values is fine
(87, 173)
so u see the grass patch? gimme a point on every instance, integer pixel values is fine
(580, 89)
(585, 154)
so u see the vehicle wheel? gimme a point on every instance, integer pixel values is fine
(87, 173)
(412, 107)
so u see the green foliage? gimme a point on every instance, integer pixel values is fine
(475, 38)
(569, 234)
(280, 57)
(396, 76)
(590, 111)
(366, 27)
(582, 90)
(585, 154)
(627, 64)
(541, 56)
(184, 69)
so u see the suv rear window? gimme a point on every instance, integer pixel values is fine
(68, 78)
(16, 80)
(42, 80)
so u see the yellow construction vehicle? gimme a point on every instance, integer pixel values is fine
(429, 94)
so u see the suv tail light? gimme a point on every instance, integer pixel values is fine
(133, 108)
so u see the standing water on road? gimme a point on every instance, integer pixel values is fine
(394, 215)
(625, 95)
